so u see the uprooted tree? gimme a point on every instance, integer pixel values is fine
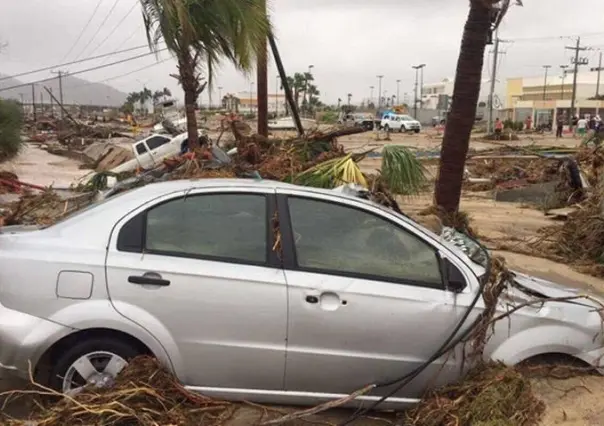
(201, 33)
(484, 17)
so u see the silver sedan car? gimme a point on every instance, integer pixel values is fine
(258, 290)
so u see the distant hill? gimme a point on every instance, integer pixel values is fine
(75, 91)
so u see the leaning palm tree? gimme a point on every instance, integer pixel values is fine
(199, 33)
(484, 17)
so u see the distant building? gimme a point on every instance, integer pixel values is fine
(432, 91)
(525, 97)
(245, 103)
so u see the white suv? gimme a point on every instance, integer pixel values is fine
(402, 123)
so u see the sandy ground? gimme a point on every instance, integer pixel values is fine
(570, 402)
(38, 167)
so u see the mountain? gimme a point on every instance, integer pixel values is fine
(75, 91)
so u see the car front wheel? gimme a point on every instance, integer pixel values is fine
(95, 362)
(403, 129)
(416, 130)
(387, 128)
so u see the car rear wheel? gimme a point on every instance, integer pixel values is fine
(416, 130)
(95, 362)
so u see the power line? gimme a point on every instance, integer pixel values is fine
(123, 75)
(99, 28)
(543, 38)
(84, 70)
(73, 62)
(83, 30)
(126, 39)
(116, 27)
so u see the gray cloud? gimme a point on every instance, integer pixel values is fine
(348, 41)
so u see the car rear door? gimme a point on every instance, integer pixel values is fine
(367, 302)
(197, 270)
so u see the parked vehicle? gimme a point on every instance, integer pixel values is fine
(152, 150)
(186, 271)
(364, 120)
(401, 123)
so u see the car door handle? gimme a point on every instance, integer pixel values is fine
(312, 299)
(145, 279)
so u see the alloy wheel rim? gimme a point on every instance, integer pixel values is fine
(95, 369)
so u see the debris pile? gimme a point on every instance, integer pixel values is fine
(491, 394)
(515, 172)
(144, 394)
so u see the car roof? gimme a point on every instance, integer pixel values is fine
(160, 188)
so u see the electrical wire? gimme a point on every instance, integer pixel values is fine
(132, 34)
(448, 344)
(83, 30)
(98, 29)
(123, 75)
(116, 27)
(84, 70)
(105, 55)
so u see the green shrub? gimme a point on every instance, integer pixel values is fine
(11, 119)
(329, 117)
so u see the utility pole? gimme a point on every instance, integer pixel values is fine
(563, 68)
(416, 68)
(262, 77)
(398, 92)
(61, 74)
(491, 99)
(576, 62)
(349, 97)
(52, 114)
(546, 67)
(371, 94)
(33, 102)
(277, 97)
(220, 97)
(380, 77)
(599, 70)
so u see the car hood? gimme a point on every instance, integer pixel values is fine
(18, 229)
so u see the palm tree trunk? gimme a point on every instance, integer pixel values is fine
(463, 109)
(190, 86)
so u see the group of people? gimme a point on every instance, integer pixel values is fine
(579, 125)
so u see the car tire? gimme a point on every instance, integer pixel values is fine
(387, 128)
(417, 130)
(403, 129)
(65, 360)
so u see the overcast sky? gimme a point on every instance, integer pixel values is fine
(348, 41)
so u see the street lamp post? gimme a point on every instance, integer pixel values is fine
(219, 97)
(563, 68)
(349, 97)
(310, 67)
(251, 95)
(371, 93)
(546, 67)
(380, 77)
(398, 92)
(417, 68)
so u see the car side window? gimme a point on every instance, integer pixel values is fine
(229, 227)
(141, 149)
(156, 141)
(342, 240)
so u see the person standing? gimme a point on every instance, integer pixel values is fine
(559, 126)
(498, 128)
(581, 127)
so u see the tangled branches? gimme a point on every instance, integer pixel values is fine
(144, 394)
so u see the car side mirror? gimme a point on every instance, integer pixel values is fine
(454, 279)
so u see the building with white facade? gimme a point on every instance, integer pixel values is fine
(432, 91)
(246, 103)
(545, 100)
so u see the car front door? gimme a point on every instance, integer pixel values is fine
(143, 155)
(197, 270)
(367, 303)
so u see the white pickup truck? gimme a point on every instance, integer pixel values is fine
(151, 151)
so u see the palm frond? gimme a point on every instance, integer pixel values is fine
(402, 171)
(332, 173)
